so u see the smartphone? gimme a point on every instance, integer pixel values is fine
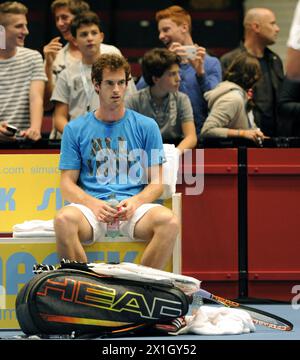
(191, 51)
(12, 129)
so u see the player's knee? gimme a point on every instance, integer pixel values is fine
(64, 219)
(168, 221)
(173, 224)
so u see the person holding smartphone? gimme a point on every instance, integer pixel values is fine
(199, 71)
(22, 78)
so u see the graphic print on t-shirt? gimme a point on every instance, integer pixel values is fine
(111, 162)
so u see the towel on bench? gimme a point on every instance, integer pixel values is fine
(170, 169)
(34, 228)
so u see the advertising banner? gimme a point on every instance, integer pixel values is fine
(29, 188)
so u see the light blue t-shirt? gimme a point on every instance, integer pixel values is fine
(112, 157)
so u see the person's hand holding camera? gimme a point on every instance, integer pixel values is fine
(178, 49)
(7, 132)
(193, 54)
(198, 60)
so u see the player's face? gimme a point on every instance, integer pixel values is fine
(112, 88)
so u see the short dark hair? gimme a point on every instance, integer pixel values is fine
(11, 7)
(156, 61)
(75, 6)
(85, 18)
(112, 62)
(244, 70)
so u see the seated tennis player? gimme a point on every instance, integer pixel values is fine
(113, 150)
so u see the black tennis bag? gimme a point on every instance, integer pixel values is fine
(79, 301)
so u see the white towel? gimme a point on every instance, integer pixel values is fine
(35, 234)
(212, 320)
(170, 170)
(34, 228)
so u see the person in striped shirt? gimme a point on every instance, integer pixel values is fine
(22, 78)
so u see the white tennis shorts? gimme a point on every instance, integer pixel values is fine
(100, 228)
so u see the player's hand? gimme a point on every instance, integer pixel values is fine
(103, 211)
(127, 208)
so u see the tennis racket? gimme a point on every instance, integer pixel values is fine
(258, 316)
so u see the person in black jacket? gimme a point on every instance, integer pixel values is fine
(289, 108)
(261, 31)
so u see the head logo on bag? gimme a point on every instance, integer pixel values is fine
(103, 297)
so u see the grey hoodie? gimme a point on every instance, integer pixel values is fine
(226, 103)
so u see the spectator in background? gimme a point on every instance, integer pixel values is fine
(74, 92)
(22, 78)
(200, 72)
(293, 52)
(261, 30)
(227, 103)
(162, 101)
(58, 57)
(289, 108)
(113, 133)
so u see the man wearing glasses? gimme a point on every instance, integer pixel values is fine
(113, 151)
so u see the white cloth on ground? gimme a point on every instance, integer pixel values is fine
(212, 320)
(170, 170)
(34, 228)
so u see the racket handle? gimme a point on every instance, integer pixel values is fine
(203, 293)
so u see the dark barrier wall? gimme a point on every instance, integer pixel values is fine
(240, 236)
